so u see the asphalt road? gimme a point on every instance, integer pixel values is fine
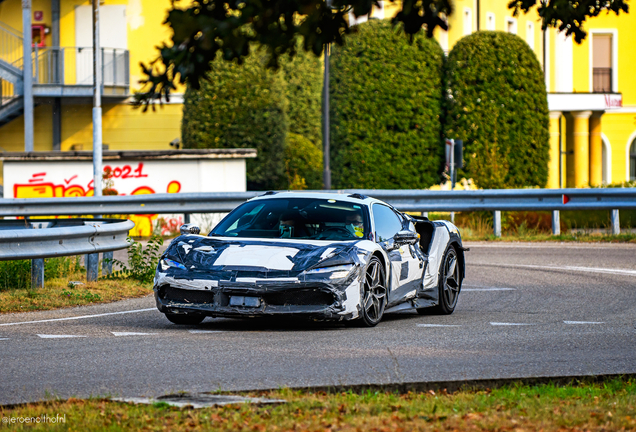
(525, 310)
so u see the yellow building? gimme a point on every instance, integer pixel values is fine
(63, 75)
(592, 96)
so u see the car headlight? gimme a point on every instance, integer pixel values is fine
(166, 263)
(337, 272)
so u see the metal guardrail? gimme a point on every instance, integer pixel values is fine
(46, 238)
(29, 239)
(405, 200)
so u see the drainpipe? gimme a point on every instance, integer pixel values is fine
(28, 76)
(97, 104)
(56, 58)
(477, 12)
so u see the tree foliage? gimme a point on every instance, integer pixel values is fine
(303, 163)
(241, 107)
(303, 88)
(386, 97)
(206, 29)
(569, 16)
(497, 104)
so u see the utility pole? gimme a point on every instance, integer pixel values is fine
(97, 104)
(28, 77)
(326, 176)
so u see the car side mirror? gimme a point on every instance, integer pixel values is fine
(189, 229)
(406, 237)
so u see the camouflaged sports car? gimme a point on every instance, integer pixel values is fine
(325, 256)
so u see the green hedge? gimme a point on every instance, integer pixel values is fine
(386, 96)
(241, 107)
(303, 77)
(303, 163)
(497, 104)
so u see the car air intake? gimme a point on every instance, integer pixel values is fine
(300, 297)
(177, 295)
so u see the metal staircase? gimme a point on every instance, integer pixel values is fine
(11, 80)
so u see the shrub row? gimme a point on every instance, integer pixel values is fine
(393, 101)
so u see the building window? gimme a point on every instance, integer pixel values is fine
(490, 21)
(530, 34)
(602, 63)
(468, 21)
(632, 160)
(511, 25)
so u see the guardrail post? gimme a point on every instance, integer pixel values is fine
(37, 273)
(107, 263)
(92, 267)
(556, 222)
(616, 223)
(497, 223)
(186, 218)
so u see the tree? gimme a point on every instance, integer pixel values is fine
(245, 107)
(228, 28)
(386, 100)
(497, 104)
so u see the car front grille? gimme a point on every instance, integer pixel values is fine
(299, 297)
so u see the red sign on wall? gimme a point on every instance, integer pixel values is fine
(38, 16)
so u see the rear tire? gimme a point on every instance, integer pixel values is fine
(185, 319)
(449, 285)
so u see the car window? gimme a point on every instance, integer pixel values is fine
(387, 223)
(306, 218)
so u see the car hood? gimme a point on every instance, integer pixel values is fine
(268, 258)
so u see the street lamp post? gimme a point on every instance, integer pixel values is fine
(326, 176)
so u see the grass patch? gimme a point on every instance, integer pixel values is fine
(537, 227)
(57, 293)
(607, 406)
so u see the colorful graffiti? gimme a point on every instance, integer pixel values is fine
(38, 187)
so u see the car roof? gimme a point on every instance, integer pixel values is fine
(338, 196)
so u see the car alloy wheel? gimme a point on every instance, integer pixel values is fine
(374, 293)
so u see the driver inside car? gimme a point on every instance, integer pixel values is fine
(354, 224)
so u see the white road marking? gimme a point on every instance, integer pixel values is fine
(131, 334)
(569, 268)
(559, 245)
(4, 338)
(583, 322)
(510, 324)
(438, 325)
(58, 336)
(79, 317)
(487, 289)
(205, 331)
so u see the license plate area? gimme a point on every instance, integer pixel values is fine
(245, 301)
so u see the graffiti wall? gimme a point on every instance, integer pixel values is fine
(71, 178)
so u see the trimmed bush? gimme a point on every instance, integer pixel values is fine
(386, 97)
(241, 107)
(497, 104)
(303, 163)
(303, 77)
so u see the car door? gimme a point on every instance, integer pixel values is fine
(406, 267)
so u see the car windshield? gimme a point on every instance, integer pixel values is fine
(299, 218)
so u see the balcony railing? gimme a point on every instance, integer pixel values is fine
(602, 80)
(74, 66)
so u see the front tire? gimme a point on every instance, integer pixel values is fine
(185, 319)
(449, 285)
(374, 294)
